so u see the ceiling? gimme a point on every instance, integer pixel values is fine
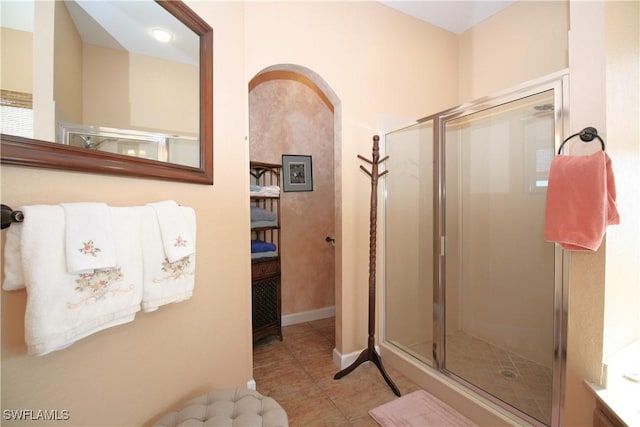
(119, 24)
(456, 16)
(127, 25)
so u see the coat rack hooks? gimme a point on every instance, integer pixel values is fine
(587, 134)
(9, 216)
(370, 354)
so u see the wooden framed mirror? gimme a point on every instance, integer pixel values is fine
(125, 155)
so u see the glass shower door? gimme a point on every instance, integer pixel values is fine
(499, 292)
(409, 240)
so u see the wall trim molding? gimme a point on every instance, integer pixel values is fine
(344, 360)
(308, 316)
(293, 75)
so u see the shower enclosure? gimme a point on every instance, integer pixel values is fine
(471, 288)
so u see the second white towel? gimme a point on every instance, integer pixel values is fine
(89, 242)
(165, 281)
(178, 239)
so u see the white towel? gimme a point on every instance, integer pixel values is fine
(177, 237)
(165, 282)
(89, 242)
(13, 277)
(264, 191)
(63, 307)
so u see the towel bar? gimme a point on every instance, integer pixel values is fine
(9, 216)
(587, 134)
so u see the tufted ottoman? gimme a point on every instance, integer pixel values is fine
(234, 407)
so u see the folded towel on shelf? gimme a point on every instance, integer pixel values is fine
(177, 237)
(261, 214)
(64, 307)
(581, 201)
(261, 255)
(89, 242)
(260, 246)
(263, 224)
(13, 276)
(264, 190)
(166, 282)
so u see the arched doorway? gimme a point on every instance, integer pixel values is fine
(292, 111)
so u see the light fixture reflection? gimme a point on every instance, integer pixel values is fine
(161, 35)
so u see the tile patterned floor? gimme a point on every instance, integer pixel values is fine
(298, 372)
(522, 383)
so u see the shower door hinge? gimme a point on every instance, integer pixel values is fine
(443, 243)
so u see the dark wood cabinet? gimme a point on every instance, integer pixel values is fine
(265, 298)
(265, 250)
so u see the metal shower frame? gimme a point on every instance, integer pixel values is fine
(558, 82)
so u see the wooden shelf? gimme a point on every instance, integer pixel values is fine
(265, 272)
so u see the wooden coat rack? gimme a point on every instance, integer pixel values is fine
(370, 354)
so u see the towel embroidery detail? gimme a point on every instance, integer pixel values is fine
(175, 270)
(180, 242)
(98, 285)
(89, 249)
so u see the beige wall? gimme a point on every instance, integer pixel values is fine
(129, 374)
(157, 103)
(289, 117)
(585, 270)
(523, 42)
(107, 105)
(67, 67)
(16, 75)
(141, 94)
(377, 61)
(44, 114)
(622, 295)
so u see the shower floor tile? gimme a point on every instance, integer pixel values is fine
(522, 383)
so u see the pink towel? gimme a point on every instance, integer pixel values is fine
(581, 201)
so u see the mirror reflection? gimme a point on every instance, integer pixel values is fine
(94, 75)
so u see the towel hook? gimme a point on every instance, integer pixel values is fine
(9, 216)
(587, 134)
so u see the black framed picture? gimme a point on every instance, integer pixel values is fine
(297, 173)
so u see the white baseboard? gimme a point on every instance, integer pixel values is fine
(308, 316)
(344, 360)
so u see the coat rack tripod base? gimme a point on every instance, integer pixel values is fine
(369, 354)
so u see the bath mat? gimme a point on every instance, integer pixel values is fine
(418, 409)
